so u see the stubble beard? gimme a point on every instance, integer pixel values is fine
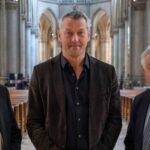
(75, 52)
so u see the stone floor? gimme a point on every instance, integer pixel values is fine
(27, 145)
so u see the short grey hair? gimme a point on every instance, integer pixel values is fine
(75, 15)
(143, 55)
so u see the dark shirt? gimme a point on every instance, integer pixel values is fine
(77, 109)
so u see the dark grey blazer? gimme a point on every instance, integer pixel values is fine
(8, 126)
(46, 121)
(133, 139)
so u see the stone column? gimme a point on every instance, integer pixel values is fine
(34, 30)
(137, 40)
(115, 15)
(127, 19)
(121, 45)
(115, 50)
(148, 23)
(28, 50)
(36, 47)
(12, 37)
(44, 49)
(55, 49)
(104, 48)
(127, 54)
(3, 50)
(92, 44)
(28, 39)
(33, 50)
(22, 15)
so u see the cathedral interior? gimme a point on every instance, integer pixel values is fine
(120, 32)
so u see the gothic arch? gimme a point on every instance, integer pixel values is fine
(47, 35)
(101, 41)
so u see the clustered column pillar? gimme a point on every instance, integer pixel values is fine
(121, 42)
(55, 46)
(148, 23)
(28, 40)
(12, 37)
(115, 49)
(28, 50)
(22, 15)
(3, 52)
(127, 56)
(33, 49)
(137, 28)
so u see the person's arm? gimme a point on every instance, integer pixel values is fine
(129, 139)
(114, 122)
(36, 116)
(15, 136)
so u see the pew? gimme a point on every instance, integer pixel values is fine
(127, 97)
(19, 101)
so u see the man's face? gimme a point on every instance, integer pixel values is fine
(73, 36)
(147, 67)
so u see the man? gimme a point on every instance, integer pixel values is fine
(137, 128)
(10, 136)
(74, 98)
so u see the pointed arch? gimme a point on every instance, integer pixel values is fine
(47, 35)
(101, 40)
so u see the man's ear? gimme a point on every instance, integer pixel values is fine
(59, 36)
(89, 35)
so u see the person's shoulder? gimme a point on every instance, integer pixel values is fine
(3, 90)
(144, 95)
(2, 87)
(47, 63)
(99, 62)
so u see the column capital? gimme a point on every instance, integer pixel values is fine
(139, 5)
(120, 24)
(34, 30)
(28, 24)
(115, 30)
(23, 16)
(125, 14)
(11, 5)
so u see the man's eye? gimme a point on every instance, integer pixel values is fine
(68, 33)
(81, 33)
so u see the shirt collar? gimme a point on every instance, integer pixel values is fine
(64, 61)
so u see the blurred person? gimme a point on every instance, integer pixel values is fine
(138, 133)
(10, 135)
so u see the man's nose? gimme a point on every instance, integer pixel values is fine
(75, 37)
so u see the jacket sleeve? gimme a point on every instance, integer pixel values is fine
(114, 122)
(129, 139)
(15, 136)
(36, 116)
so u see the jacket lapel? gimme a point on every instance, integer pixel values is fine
(94, 90)
(59, 84)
